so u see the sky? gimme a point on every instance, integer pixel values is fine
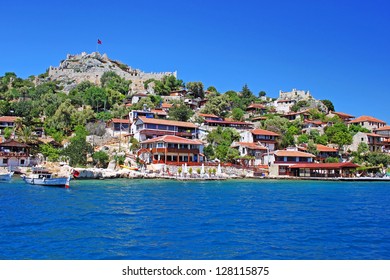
(338, 50)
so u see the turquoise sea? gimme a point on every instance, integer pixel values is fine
(163, 219)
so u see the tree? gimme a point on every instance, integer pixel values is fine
(100, 159)
(196, 88)
(63, 117)
(95, 97)
(247, 96)
(212, 89)
(262, 93)
(328, 104)
(49, 152)
(238, 114)
(217, 105)
(180, 112)
(78, 148)
(303, 138)
(113, 81)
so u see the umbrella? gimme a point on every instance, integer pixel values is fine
(219, 171)
(202, 169)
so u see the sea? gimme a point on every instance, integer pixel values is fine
(127, 219)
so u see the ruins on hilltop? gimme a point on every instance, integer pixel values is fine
(90, 67)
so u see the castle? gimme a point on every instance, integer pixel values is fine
(90, 67)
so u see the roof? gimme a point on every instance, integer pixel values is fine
(259, 131)
(286, 153)
(209, 116)
(13, 143)
(172, 139)
(317, 122)
(323, 148)
(166, 105)
(386, 127)
(249, 145)
(256, 106)
(159, 112)
(343, 115)
(337, 165)
(374, 135)
(167, 122)
(115, 120)
(259, 118)
(228, 122)
(8, 119)
(366, 119)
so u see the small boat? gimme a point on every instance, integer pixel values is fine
(6, 176)
(43, 177)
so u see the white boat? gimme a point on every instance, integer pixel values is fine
(6, 176)
(45, 178)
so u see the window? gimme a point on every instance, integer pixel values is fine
(22, 161)
(5, 160)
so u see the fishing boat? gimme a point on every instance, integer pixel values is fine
(43, 177)
(6, 176)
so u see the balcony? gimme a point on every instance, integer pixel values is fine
(175, 151)
(13, 154)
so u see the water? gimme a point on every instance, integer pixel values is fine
(162, 219)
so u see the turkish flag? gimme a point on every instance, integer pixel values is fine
(99, 42)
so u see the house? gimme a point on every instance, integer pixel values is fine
(251, 149)
(228, 123)
(280, 160)
(368, 122)
(134, 114)
(265, 137)
(283, 106)
(345, 117)
(14, 153)
(146, 128)
(7, 122)
(375, 142)
(323, 152)
(159, 113)
(210, 117)
(256, 109)
(117, 126)
(327, 170)
(384, 131)
(292, 116)
(137, 97)
(170, 149)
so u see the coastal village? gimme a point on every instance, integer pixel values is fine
(103, 119)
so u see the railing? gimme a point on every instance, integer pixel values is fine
(13, 154)
(176, 150)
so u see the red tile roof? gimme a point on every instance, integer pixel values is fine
(366, 119)
(159, 112)
(172, 139)
(249, 145)
(259, 131)
(386, 127)
(114, 120)
(343, 115)
(228, 122)
(208, 115)
(166, 105)
(374, 135)
(167, 122)
(256, 106)
(323, 148)
(8, 119)
(337, 165)
(286, 153)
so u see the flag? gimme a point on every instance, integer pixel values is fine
(99, 42)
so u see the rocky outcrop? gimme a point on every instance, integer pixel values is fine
(90, 67)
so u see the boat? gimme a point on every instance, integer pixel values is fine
(43, 177)
(6, 176)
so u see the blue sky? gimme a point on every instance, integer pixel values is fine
(339, 50)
